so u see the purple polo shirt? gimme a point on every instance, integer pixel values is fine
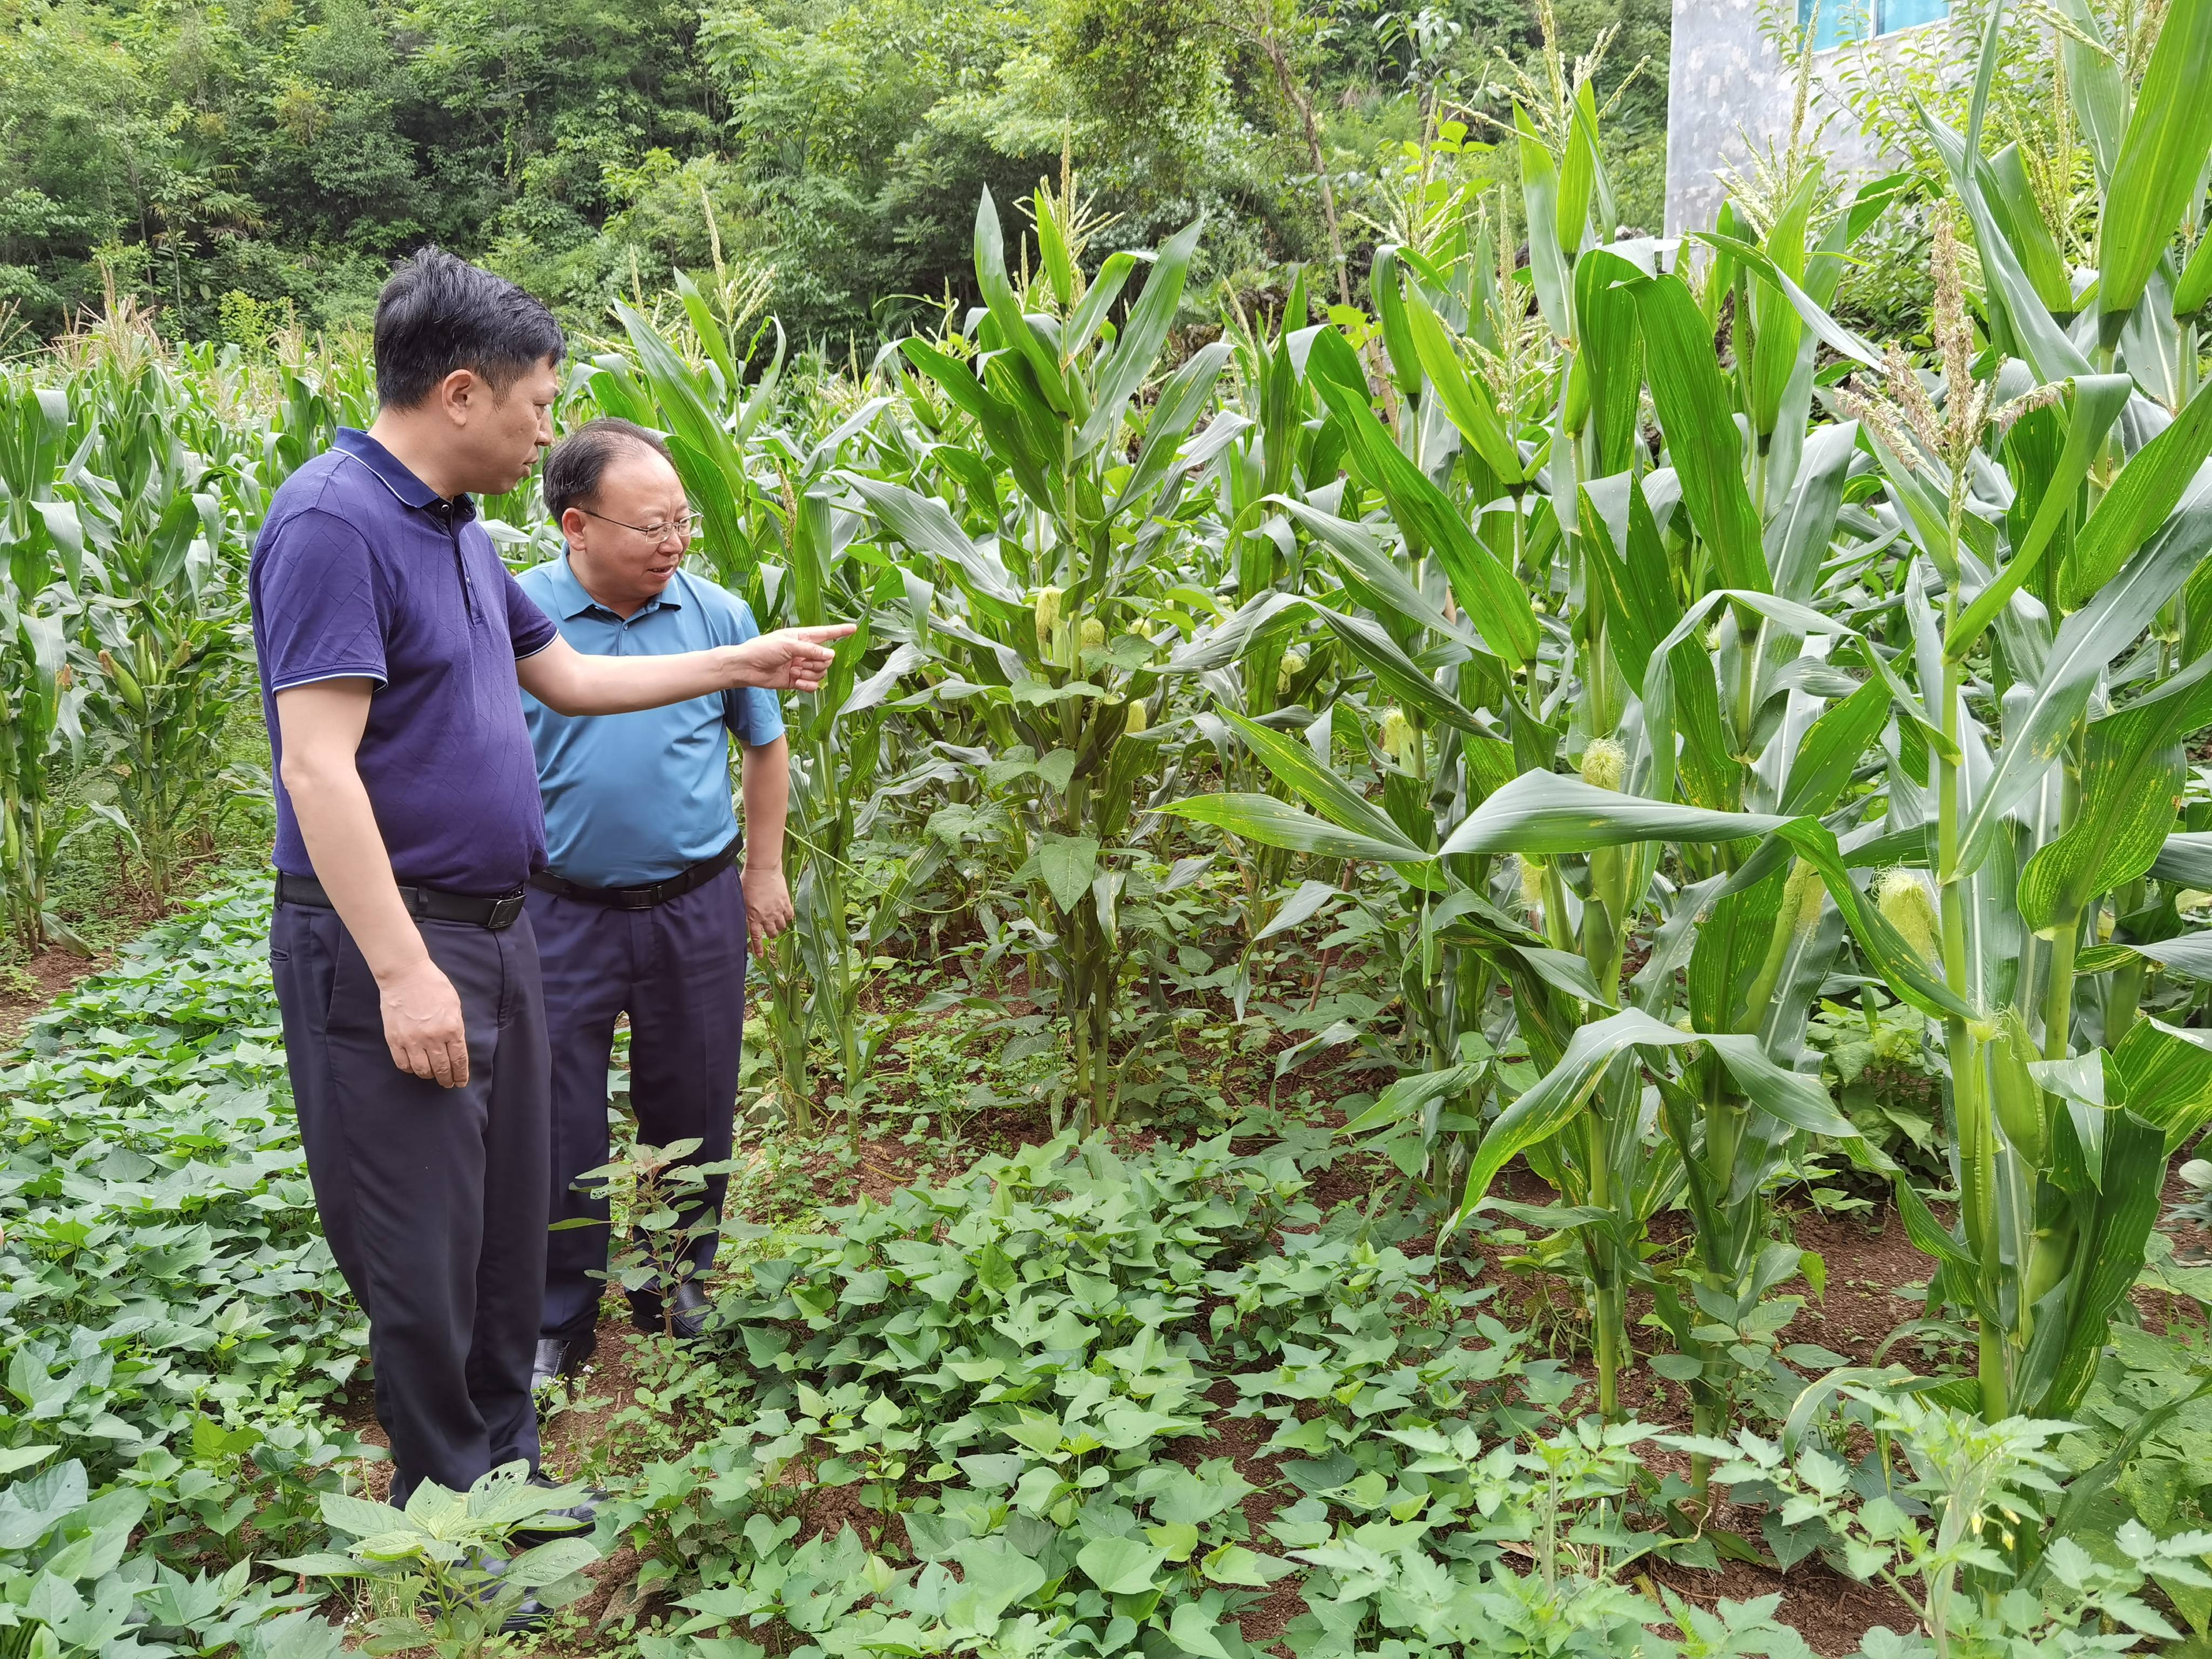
(362, 572)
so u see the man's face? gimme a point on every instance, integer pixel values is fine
(620, 560)
(499, 434)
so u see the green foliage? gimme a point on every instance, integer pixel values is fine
(1028, 1344)
(1952, 1539)
(1500, 687)
(458, 1564)
(175, 1326)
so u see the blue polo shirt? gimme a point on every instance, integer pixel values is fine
(362, 571)
(637, 798)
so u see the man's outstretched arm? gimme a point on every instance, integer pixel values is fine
(569, 682)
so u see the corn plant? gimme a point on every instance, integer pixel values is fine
(1463, 508)
(2049, 491)
(1723, 658)
(773, 536)
(1051, 553)
(164, 611)
(41, 699)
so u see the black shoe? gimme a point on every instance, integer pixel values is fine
(560, 1356)
(691, 1310)
(585, 1513)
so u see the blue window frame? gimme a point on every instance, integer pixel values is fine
(1843, 22)
(1910, 14)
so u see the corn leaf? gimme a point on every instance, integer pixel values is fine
(2095, 83)
(1464, 398)
(2088, 642)
(1298, 769)
(1544, 813)
(1144, 332)
(1369, 571)
(2139, 500)
(1609, 352)
(2161, 160)
(2108, 1252)
(926, 525)
(1496, 604)
(1272, 822)
(2164, 1076)
(2022, 219)
(2098, 401)
(1694, 403)
(1539, 203)
(1382, 283)
(2131, 789)
(1555, 1099)
(1399, 673)
(2049, 351)
(1020, 334)
(1001, 427)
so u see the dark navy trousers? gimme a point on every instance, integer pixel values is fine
(678, 971)
(433, 1200)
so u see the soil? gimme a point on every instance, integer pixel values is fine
(29, 989)
(125, 909)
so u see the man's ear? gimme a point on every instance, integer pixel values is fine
(575, 526)
(461, 394)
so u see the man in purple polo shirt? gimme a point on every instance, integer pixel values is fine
(391, 642)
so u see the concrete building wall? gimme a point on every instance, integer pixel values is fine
(1725, 81)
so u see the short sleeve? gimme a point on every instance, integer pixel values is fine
(751, 713)
(322, 611)
(530, 628)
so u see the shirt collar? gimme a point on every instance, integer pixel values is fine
(408, 488)
(570, 600)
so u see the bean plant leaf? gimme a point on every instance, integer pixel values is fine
(1120, 1566)
(1067, 863)
(994, 1577)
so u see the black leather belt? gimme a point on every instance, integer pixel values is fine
(644, 897)
(427, 903)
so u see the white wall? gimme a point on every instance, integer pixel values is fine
(1724, 82)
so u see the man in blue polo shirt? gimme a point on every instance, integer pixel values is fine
(641, 908)
(392, 642)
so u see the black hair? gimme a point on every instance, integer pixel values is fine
(439, 312)
(574, 466)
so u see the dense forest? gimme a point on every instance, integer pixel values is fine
(246, 164)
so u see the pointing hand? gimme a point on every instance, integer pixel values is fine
(789, 660)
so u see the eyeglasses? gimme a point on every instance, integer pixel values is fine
(681, 527)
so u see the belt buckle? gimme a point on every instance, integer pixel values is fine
(504, 909)
(638, 898)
